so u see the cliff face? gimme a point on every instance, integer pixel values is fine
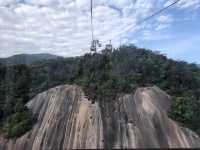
(66, 119)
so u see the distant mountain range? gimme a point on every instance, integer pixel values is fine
(27, 58)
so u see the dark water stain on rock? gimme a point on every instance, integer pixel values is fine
(66, 119)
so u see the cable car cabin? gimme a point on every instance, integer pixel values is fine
(93, 48)
(94, 45)
(107, 50)
(109, 47)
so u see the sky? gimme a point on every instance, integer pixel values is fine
(62, 27)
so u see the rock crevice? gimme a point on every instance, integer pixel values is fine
(66, 120)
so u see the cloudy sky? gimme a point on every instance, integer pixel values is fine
(62, 27)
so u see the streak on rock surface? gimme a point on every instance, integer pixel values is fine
(66, 120)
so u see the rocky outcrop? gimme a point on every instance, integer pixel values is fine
(66, 120)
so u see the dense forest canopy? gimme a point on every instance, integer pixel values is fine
(103, 77)
(15, 83)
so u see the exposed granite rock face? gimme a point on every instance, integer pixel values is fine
(66, 120)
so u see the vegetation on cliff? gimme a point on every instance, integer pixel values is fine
(15, 118)
(104, 77)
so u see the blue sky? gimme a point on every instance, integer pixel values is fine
(184, 36)
(62, 27)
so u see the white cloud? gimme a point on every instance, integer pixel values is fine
(185, 4)
(62, 27)
(147, 35)
(6, 2)
(194, 4)
(164, 21)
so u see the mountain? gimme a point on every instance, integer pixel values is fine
(66, 119)
(106, 80)
(27, 58)
(104, 77)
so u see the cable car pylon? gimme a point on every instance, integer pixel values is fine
(95, 43)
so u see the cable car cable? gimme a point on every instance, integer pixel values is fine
(153, 15)
(158, 12)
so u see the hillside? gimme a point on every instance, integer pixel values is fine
(125, 70)
(26, 58)
(103, 78)
(67, 120)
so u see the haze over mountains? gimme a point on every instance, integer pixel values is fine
(27, 58)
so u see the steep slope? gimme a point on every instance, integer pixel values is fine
(124, 70)
(66, 119)
(26, 58)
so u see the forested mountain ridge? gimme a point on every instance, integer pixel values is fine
(106, 77)
(27, 58)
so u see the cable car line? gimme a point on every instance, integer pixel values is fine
(151, 16)
(91, 19)
(158, 12)
(95, 43)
